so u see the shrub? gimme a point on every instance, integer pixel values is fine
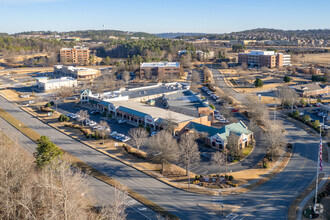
(265, 165)
(63, 118)
(52, 103)
(258, 83)
(295, 114)
(286, 79)
(226, 176)
(48, 105)
(104, 114)
(316, 124)
(306, 118)
(303, 102)
(231, 178)
(196, 177)
(148, 129)
(212, 106)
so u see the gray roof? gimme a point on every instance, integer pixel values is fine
(307, 87)
(132, 111)
(142, 110)
(185, 100)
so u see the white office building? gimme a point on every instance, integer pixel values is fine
(46, 84)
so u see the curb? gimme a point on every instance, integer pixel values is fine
(207, 192)
(95, 173)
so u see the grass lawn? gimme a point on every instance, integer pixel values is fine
(247, 150)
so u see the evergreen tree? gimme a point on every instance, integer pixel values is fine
(46, 151)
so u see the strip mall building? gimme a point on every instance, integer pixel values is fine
(126, 104)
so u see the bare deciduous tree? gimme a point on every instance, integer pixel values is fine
(189, 153)
(264, 69)
(233, 146)
(125, 76)
(257, 110)
(104, 132)
(164, 148)
(218, 160)
(116, 209)
(287, 95)
(275, 139)
(84, 116)
(224, 65)
(139, 136)
(65, 92)
(56, 192)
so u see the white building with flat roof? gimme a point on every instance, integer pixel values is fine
(46, 84)
(76, 72)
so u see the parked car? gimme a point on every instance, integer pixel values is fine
(121, 121)
(113, 133)
(317, 104)
(153, 133)
(235, 110)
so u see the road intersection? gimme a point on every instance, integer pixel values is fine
(269, 201)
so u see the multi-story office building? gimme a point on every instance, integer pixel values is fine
(269, 59)
(161, 70)
(78, 54)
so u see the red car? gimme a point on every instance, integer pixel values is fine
(235, 110)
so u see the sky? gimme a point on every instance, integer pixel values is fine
(159, 16)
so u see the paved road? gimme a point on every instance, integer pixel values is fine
(101, 192)
(269, 201)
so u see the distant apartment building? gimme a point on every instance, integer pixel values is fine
(199, 53)
(205, 54)
(76, 72)
(161, 70)
(268, 59)
(45, 84)
(78, 54)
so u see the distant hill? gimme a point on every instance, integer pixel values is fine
(268, 34)
(97, 34)
(177, 35)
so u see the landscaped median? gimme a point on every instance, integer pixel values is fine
(33, 135)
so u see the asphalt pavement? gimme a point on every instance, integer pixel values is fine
(269, 201)
(101, 192)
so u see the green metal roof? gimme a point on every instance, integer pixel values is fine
(237, 128)
(131, 111)
(104, 103)
(202, 128)
(87, 90)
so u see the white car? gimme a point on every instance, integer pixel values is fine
(113, 133)
(125, 139)
(121, 121)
